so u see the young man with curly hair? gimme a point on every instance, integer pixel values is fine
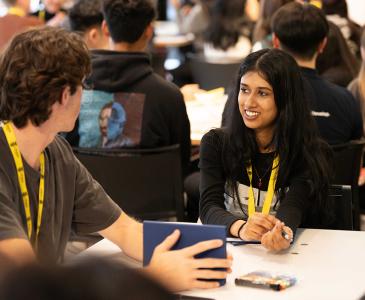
(44, 190)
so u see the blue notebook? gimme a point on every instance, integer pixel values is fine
(154, 232)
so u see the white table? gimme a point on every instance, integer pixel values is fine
(167, 35)
(204, 115)
(329, 265)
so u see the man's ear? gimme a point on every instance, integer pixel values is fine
(65, 96)
(322, 45)
(275, 41)
(105, 29)
(149, 31)
(92, 35)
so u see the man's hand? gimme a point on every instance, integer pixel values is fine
(178, 270)
(275, 239)
(257, 225)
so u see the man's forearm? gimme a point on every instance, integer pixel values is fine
(127, 233)
(17, 251)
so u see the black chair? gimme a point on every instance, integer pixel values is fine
(347, 164)
(209, 74)
(145, 183)
(341, 197)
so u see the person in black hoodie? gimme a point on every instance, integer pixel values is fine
(153, 111)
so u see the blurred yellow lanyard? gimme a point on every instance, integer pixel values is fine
(10, 137)
(16, 11)
(270, 189)
(42, 15)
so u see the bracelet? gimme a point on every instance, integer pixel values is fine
(239, 229)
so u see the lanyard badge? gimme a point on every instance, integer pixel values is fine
(11, 139)
(270, 189)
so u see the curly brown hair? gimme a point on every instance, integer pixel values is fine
(34, 70)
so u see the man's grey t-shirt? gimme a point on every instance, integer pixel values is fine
(73, 199)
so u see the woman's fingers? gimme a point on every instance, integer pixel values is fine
(265, 221)
(275, 240)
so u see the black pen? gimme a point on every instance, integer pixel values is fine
(286, 236)
(242, 242)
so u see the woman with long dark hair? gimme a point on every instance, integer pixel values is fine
(345, 67)
(227, 36)
(357, 86)
(262, 37)
(266, 173)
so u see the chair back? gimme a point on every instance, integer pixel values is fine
(145, 183)
(341, 198)
(210, 75)
(347, 164)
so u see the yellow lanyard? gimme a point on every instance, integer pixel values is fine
(270, 190)
(42, 15)
(316, 3)
(10, 137)
(17, 11)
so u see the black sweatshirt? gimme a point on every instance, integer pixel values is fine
(336, 112)
(164, 118)
(291, 210)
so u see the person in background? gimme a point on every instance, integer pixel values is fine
(16, 20)
(86, 17)
(225, 37)
(52, 14)
(91, 278)
(45, 191)
(252, 10)
(259, 176)
(357, 86)
(336, 11)
(262, 37)
(193, 17)
(155, 109)
(344, 68)
(301, 30)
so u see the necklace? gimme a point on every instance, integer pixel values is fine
(263, 176)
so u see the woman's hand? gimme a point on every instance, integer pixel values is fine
(279, 238)
(256, 226)
(178, 270)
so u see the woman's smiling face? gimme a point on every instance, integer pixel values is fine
(256, 102)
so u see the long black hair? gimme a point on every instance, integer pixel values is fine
(295, 139)
(226, 23)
